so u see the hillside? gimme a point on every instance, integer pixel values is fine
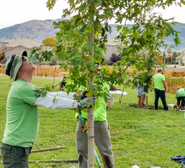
(34, 29)
(41, 29)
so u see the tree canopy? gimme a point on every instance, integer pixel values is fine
(142, 42)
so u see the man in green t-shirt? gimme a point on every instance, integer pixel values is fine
(21, 111)
(160, 89)
(180, 96)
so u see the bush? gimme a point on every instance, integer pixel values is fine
(115, 58)
(53, 61)
(178, 74)
(43, 63)
(108, 62)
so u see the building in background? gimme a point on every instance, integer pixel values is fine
(111, 49)
(181, 59)
(17, 46)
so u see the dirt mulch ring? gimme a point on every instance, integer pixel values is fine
(113, 88)
(149, 107)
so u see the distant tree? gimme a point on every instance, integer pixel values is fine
(168, 60)
(50, 41)
(115, 58)
(174, 57)
(163, 57)
(2, 57)
(145, 71)
(169, 55)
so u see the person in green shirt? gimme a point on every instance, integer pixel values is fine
(21, 111)
(160, 89)
(180, 96)
(101, 134)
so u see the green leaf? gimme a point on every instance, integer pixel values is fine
(119, 27)
(40, 92)
(89, 46)
(83, 7)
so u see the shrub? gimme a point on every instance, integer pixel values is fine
(115, 58)
(178, 74)
(53, 61)
(43, 63)
(109, 62)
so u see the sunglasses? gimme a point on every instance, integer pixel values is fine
(24, 58)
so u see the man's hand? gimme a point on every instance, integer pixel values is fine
(84, 103)
(164, 85)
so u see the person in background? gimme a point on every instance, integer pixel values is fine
(22, 121)
(62, 83)
(180, 96)
(160, 89)
(141, 95)
(101, 133)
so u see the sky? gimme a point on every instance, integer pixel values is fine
(18, 11)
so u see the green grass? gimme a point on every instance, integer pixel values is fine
(139, 136)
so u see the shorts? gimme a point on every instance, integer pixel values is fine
(181, 100)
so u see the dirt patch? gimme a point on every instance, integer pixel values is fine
(149, 107)
(113, 88)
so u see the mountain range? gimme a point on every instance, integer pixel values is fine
(41, 29)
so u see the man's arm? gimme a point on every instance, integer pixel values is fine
(58, 101)
(164, 85)
(71, 95)
(55, 102)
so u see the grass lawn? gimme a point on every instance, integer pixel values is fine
(139, 136)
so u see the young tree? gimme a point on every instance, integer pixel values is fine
(82, 37)
(146, 70)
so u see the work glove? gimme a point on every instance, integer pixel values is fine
(85, 127)
(84, 103)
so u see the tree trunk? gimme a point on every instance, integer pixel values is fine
(90, 110)
(90, 138)
(91, 134)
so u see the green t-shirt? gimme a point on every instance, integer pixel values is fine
(100, 107)
(158, 81)
(22, 116)
(180, 93)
